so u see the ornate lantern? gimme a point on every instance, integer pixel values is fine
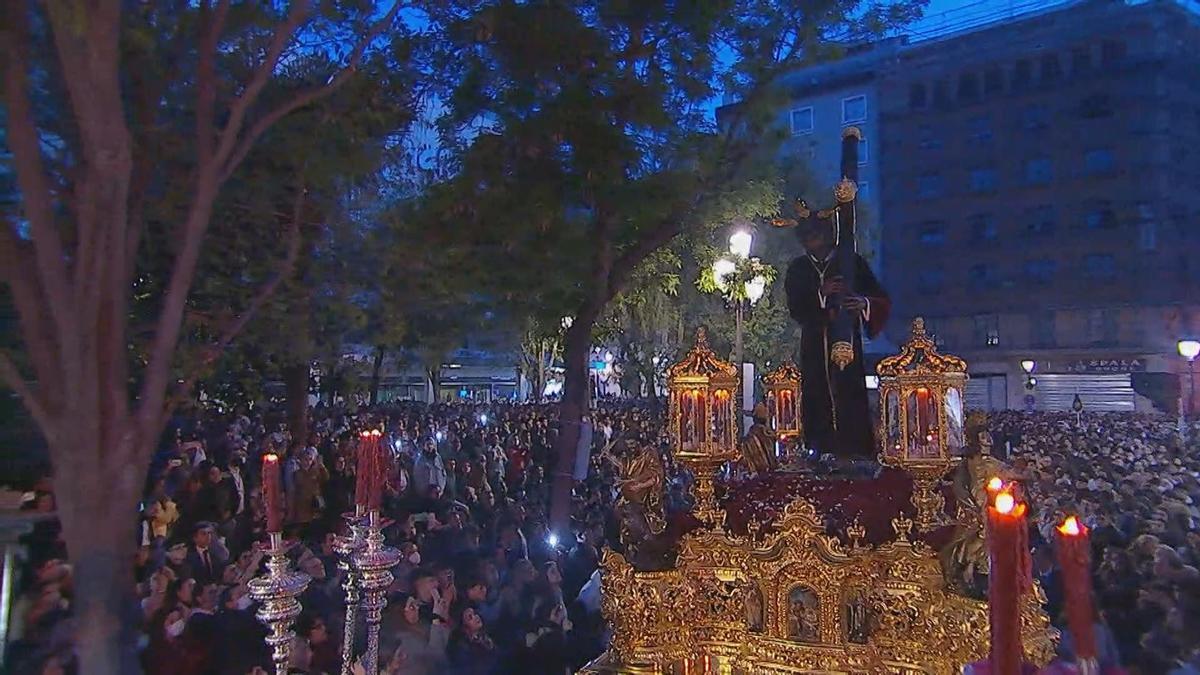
(921, 418)
(703, 418)
(782, 386)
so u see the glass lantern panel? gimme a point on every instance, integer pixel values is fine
(893, 423)
(954, 421)
(923, 439)
(720, 416)
(687, 420)
(773, 408)
(787, 409)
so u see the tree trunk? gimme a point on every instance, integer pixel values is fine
(376, 368)
(435, 381)
(540, 383)
(574, 404)
(295, 382)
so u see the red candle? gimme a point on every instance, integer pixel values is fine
(362, 469)
(375, 482)
(1006, 539)
(272, 492)
(1073, 556)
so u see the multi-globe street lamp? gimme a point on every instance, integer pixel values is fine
(1189, 349)
(750, 291)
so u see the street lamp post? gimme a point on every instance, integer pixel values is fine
(743, 292)
(1189, 349)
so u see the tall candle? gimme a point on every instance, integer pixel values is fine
(375, 483)
(1073, 557)
(272, 492)
(1006, 536)
(362, 470)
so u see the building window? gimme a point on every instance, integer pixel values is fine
(802, 121)
(1040, 221)
(917, 98)
(1098, 161)
(927, 138)
(1098, 215)
(1096, 106)
(1043, 328)
(864, 152)
(993, 80)
(854, 109)
(1040, 271)
(1038, 171)
(1112, 52)
(983, 227)
(1022, 74)
(1051, 70)
(983, 180)
(980, 128)
(981, 276)
(929, 185)
(968, 87)
(1081, 60)
(1102, 327)
(930, 280)
(932, 234)
(941, 98)
(987, 330)
(1100, 267)
(1147, 236)
(1035, 117)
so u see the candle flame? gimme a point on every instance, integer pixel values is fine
(1071, 527)
(271, 457)
(376, 432)
(1005, 502)
(995, 484)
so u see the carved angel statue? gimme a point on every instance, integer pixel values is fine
(758, 447)
(640, 489)
(965, 558)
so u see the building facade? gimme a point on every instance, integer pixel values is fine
(1039, 201)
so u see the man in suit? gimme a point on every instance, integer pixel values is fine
(206, 557)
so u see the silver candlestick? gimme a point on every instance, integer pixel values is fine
(374, 560)
(276, 591)
(346, 547)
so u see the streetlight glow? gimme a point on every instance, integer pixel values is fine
(755, 288)
(722, 268)
(1189, 349)
(739, 243)
(1028, 365)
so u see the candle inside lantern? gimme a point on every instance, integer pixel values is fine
(994, 485)
(375, 484)
(362, 471)
(272, 492)
(1006, 537)
(1073, 551)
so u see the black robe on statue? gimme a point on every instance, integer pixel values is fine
(837, 418)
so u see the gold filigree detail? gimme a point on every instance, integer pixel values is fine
(842, 354)
(903, 526)
(702, 362)
(801, 212)
(845, 191)
(920, 354)
(856, 532)
(784, 373)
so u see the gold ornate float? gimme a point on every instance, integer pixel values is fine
(795, 599)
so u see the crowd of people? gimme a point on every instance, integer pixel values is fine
(485, 587)
(1136, 484)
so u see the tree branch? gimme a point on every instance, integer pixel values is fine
(12, 377)
(211, 23)
(237, 154)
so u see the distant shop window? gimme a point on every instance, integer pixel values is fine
(927, 138)
(932, 234)
(1098, 161)
(1100, 267)
(1038, 171)
(1081, 60)
(1022, 74)
(917, 97)
(987, 330)
(929, 185)
(802, 121)
(1112, 52)
(1040, 271)
(1051, 68)
(981, 276)
(983, 227)
(1099, 215)
(931, 280)
(980, 128)
(1040, 221)
(1148, 236)
(1035, 117)
(854, 109)
(993, 80)
(983, 180)
(968, 87)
